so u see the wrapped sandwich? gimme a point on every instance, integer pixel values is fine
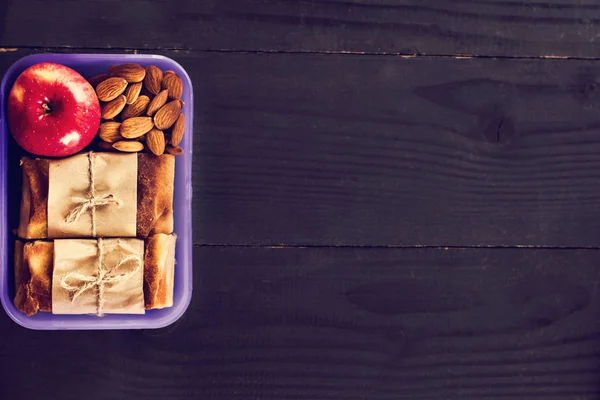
(95, 276)
(97, 195)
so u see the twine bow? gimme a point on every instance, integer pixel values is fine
(92, 202)
(101, 278)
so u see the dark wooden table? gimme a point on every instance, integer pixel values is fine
(393, 199)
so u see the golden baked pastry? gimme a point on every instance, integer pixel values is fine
(34, 264)
(155, 184)
(159, 271)
(33, 276)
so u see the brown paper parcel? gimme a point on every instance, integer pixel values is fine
(104, 276)
(93, 194)
(34, 267)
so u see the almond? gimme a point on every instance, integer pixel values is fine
(136, 109)
(109, 89)
(167, 115)
(168, 72)
(129, 146)
(173, 84)
(132, 92)
(109, 132)
(177, 131)
(174, 150)
(155, 140)
(135, 127)
(96, 79)
(129, 72)
(157, 103)
(153, 79)
(112, 109)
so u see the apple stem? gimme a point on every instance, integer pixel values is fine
(46, 108)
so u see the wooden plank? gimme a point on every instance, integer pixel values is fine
(480, 27)
(275, 323)
(393, 151)
(380, 151)
(347, 150)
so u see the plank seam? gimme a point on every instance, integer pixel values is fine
(14, 48)
(399, 247)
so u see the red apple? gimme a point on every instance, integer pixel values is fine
(52, 110)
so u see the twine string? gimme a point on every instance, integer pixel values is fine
(92, 202)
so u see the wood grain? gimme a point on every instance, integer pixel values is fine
(357, 150)
(345, 150)
(275, 323)
(392, 151)
(447, 27)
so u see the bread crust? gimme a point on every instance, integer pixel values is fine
(155, 188)
(33, 276)
(159, 263)
(34, 199)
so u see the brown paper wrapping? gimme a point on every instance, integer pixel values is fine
(104, 276)
(109, 180)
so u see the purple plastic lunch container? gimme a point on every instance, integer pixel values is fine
(89, 65)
